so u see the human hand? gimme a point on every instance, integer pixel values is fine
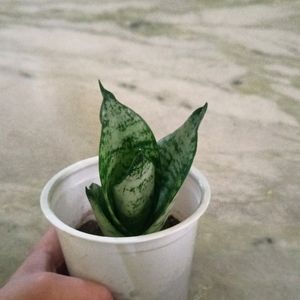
(38, 278)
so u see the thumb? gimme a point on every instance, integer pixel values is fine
(64, 287)
(45, 257)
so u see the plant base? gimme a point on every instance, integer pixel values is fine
(92, 227)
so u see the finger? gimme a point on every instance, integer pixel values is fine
(51, 286)
(63, 287)
(45, 257)
(49, 245)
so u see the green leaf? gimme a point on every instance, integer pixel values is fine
(95, 196)
(177, 152)
(133, 195)
(124, 135)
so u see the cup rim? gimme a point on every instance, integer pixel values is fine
(194, 173)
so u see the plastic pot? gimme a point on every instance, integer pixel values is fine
(156, 266)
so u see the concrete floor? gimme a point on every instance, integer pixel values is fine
(164, 59)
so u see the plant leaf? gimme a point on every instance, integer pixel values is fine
(177, 152)
(133, 195)
(124, 135)
(96, 198)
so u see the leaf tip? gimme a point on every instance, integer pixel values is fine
(88, 191)
(102, 89)
(107, 95)
(91, 190)
(203, 108)
(199, 113)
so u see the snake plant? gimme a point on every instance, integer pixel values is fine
(139, 176)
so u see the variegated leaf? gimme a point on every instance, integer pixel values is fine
(95, 196)
(133, 196)
(124, 135)
(177, 152)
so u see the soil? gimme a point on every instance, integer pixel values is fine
(92, 227)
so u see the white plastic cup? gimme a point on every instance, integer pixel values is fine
(156, 266)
